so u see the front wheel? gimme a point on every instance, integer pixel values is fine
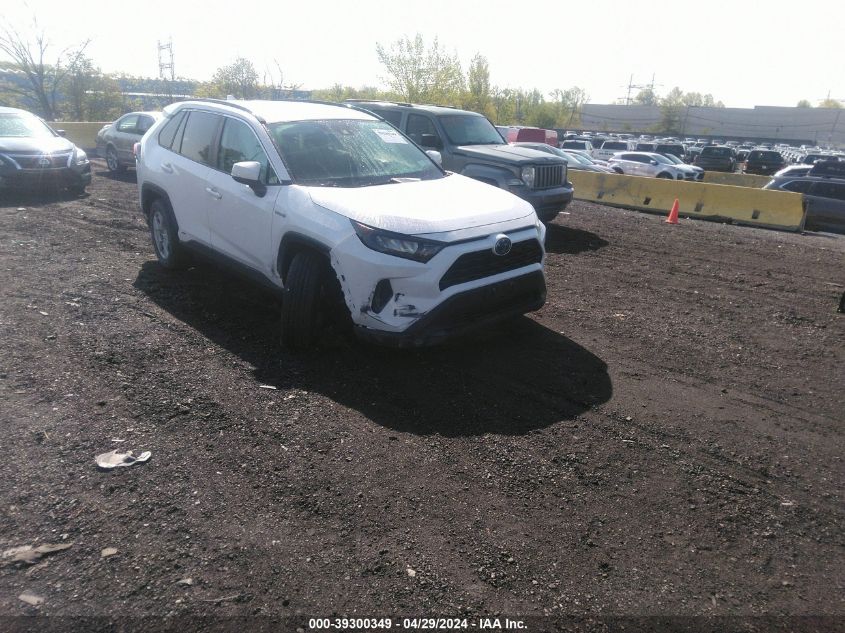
(169, 252)
(664, 175)
(302, 316)
(112, 161)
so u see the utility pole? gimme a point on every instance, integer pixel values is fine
(631, 86)
(833, 128)
(166, 67)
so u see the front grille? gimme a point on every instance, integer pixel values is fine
(33, 161)
(481, 264)
(548, 176)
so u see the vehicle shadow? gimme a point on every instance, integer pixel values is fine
(570, 241)
(30, 198)
(508, 380)
(127, 175)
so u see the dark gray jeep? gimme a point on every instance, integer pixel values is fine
(470, 145)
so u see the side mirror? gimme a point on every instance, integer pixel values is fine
(431, 140)
(61, 132)
(653, 162)
(434, 155)
(248, 173)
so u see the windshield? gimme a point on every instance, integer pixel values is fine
(576, 157)
(349, 153)
(15, 125)
(467, 129)
(673, 159)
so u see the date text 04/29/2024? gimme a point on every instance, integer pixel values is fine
(490, 624)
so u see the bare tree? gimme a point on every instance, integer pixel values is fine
(41, 82)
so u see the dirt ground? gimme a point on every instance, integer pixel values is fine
(664, 438)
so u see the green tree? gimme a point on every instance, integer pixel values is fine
(480, 97)
(830, 103)
(647, 97)
(804, 104)
(422, 74)
(238, 78)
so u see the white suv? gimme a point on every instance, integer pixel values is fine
(341, 213)
(651, 164)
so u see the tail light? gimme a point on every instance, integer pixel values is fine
(136, 150)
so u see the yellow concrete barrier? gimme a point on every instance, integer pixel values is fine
(737, 180)
(81, 133)
(782, 210)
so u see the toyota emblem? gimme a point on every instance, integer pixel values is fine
(44, 161)
(502, 246)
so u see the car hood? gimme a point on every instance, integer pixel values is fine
(509, 154)
(428, 206)
(35, 145)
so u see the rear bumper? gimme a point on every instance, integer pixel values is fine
(467, 311)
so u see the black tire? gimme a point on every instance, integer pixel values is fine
(112, 161)
(165, 236)
(303, 310)
(664, 175)
(619, 171)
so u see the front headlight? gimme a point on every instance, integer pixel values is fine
(81, 157)
(397, 244)
(528, 176)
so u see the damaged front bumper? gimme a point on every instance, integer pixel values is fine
(467, 311)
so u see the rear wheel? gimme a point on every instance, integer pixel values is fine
(618, 171)
(169, 252)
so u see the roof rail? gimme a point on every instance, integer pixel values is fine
(226, 102)
(399, 103)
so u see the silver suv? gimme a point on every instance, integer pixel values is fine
(342, 214)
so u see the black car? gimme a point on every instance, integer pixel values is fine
(824, 195)
(716, 158)
(34, 156)
(764, 162)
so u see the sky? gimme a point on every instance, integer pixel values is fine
(743, 52)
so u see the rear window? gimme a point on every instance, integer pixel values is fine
(720, 152)
(770, 157)
(168, 132)
(614, 145)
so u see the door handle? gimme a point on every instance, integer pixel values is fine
(214, 193)
(167, 168)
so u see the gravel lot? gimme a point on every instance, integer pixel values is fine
(664, 438)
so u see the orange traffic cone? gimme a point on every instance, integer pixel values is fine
(673, 214)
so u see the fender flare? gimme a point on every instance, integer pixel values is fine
(291, 243)
(150, 192)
